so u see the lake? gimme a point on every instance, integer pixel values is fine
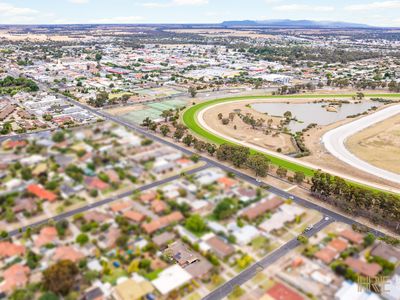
(308, 113)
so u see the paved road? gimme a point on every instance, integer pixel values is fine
(23, 135)
(335, 139)
(104, 202)
(226, 288)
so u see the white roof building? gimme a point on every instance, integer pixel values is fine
(392, 288)
(286, 213)
(350, 291)
(208, 176)
(243, 235)
(171, 279)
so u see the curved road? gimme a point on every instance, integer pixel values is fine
(334, 142)
(202, 123)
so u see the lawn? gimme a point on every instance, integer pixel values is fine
(189, 118)
(153, 275)
(115, 274)
(259, 243)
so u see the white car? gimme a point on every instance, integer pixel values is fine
(258, 180)
(308, 228)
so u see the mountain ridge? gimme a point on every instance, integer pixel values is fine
(294, 23)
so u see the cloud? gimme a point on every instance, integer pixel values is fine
(79, 1)
(304, 7)
(272, 1)
(9, 10)
(190, 2)
(175, 3)
(117, 20)
(374, 5)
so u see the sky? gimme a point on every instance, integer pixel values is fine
(375, 12)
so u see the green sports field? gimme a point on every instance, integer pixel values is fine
(190, 120)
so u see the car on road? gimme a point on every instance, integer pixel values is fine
(291, 197)
(326, 218)
(308, 228)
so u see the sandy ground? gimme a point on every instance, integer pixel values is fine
(320, 156)
(245, 132)
(379, 144)
(121, 110)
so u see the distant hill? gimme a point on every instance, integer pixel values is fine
(294, 23)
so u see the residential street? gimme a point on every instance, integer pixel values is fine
(226, 288)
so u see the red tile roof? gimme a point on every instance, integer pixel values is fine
(68, 253)
(227, 182)
(95, 183)
(220, 247)
(363, 268)
(149, 196)
(120, 206)
(8, 249)
(47, 236)
(158, 206)
(338, 244)
(326, 255)
(15, 277)
(281, 292)
(262, 207)
(9, 144)
(134, 216)
(41, 193)
(162, 222)
(352, 236)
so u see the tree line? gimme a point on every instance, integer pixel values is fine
(10, 85)
(381, 208)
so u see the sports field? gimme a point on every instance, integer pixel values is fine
(153, 110)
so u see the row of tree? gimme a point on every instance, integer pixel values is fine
(381, 208)
(240, 156)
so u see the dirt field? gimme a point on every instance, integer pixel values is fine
(121, 110)
(379, 145)
(244, 132)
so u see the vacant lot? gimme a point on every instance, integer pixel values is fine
(379, 144)
(244, 132)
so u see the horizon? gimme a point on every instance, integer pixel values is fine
(359, 25)
(102, 12)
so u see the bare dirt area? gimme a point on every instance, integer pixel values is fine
(121, 110)
(245, 132)
(379, 144)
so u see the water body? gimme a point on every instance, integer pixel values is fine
(308, 113)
